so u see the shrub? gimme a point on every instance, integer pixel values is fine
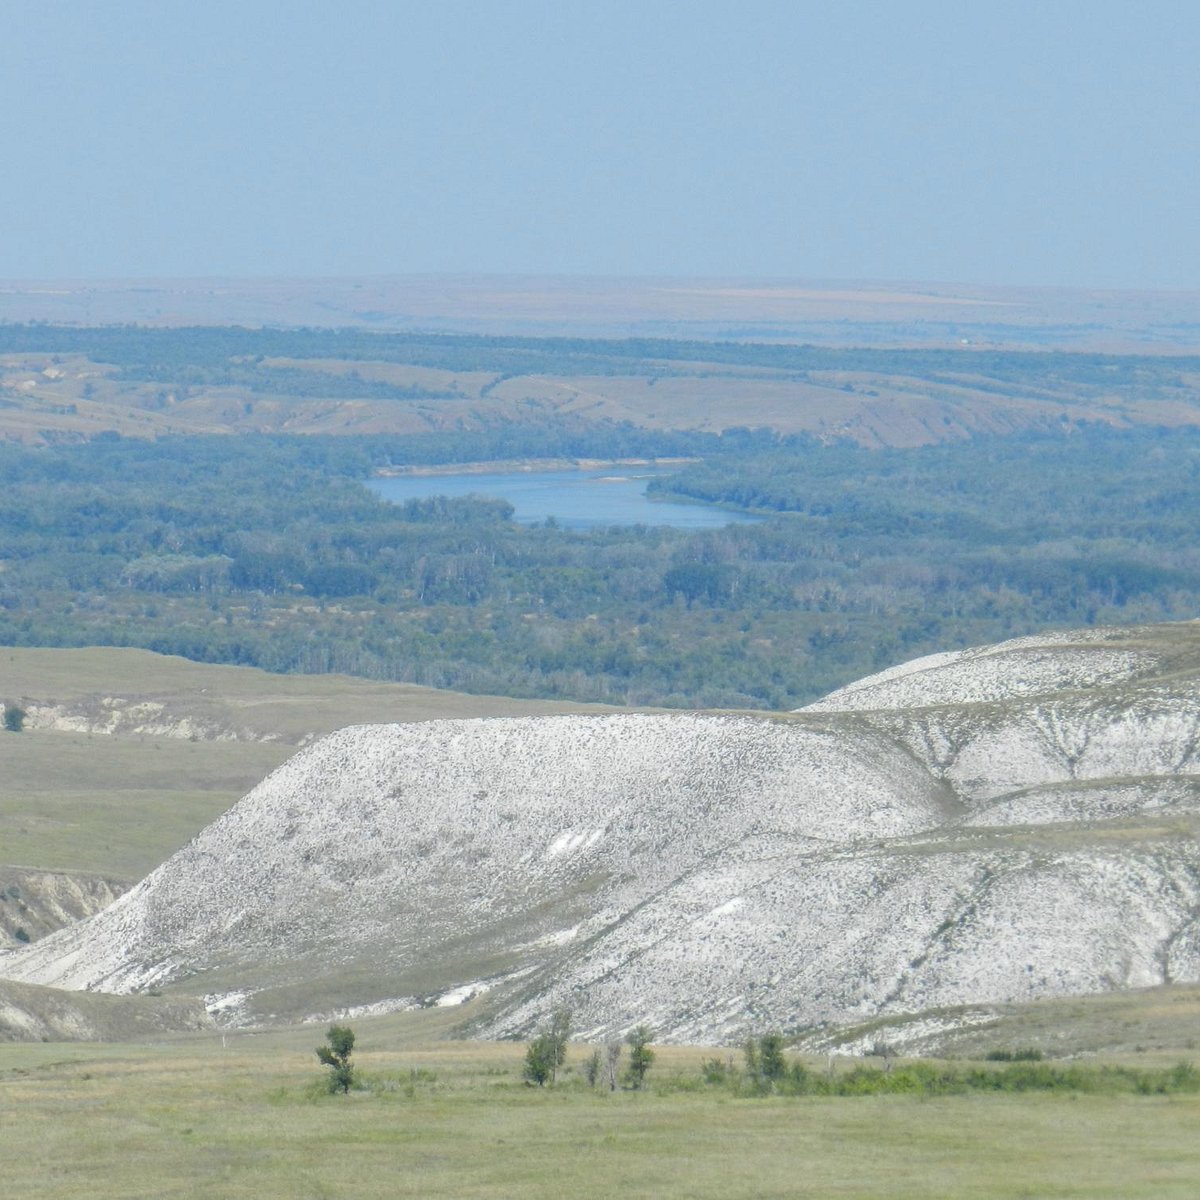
(717, 1070)
(950, 1079)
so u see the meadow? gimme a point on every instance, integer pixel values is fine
(246, 1115)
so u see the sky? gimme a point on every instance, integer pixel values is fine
(1051, 143)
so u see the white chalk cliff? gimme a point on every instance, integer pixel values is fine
(996, 824)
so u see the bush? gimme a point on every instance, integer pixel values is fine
(717, 1070)
(948, 1079)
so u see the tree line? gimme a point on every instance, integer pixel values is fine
(271, 551)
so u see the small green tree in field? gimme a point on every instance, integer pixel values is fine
(14, 718)
(548, 1051)
(765, 1063)
(771, 1062)
(336, 1056)
(640, 1055)
(539, 1061)
(753, 1066)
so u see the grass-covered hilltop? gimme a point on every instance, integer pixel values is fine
(848, 850)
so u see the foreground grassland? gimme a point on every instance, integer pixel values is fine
(244, 1116)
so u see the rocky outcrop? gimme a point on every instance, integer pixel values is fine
(34, 903)
(134, 716)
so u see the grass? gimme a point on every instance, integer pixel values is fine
(119, 805)
(288, 707)
(244, 1116)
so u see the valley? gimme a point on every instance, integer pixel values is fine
(900, 765)
(599, 601)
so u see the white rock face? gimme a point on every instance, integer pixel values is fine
(1025, 666)
(987, 826)
(147, 718)
(389, 841)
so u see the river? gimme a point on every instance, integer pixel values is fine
(576, 499)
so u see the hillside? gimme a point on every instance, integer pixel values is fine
(985, 827)
(37, 1014)
(127, 754)
(886, 383)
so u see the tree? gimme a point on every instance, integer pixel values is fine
(771, 1062)
(765, 1063)
(753, 1066)
(592, 1068)
(336, 1056)
(548, 1051)
(612, 1063)
(14, 718)
(640, 1055)
(694, 581)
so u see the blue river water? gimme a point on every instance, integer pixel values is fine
(576, 499)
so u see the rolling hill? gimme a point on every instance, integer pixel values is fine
(985, 827)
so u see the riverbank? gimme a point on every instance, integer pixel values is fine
(528, 465)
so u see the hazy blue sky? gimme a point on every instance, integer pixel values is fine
(978, 141)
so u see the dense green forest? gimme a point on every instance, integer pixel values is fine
(271, 551)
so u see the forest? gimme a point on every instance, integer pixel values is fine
(271, 551)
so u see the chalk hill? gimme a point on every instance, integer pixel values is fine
(992, 825)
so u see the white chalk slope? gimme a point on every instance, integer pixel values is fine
(993, 825)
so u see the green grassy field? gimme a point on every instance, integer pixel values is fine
(287, 707)
(115, 806)
(244, 1116)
